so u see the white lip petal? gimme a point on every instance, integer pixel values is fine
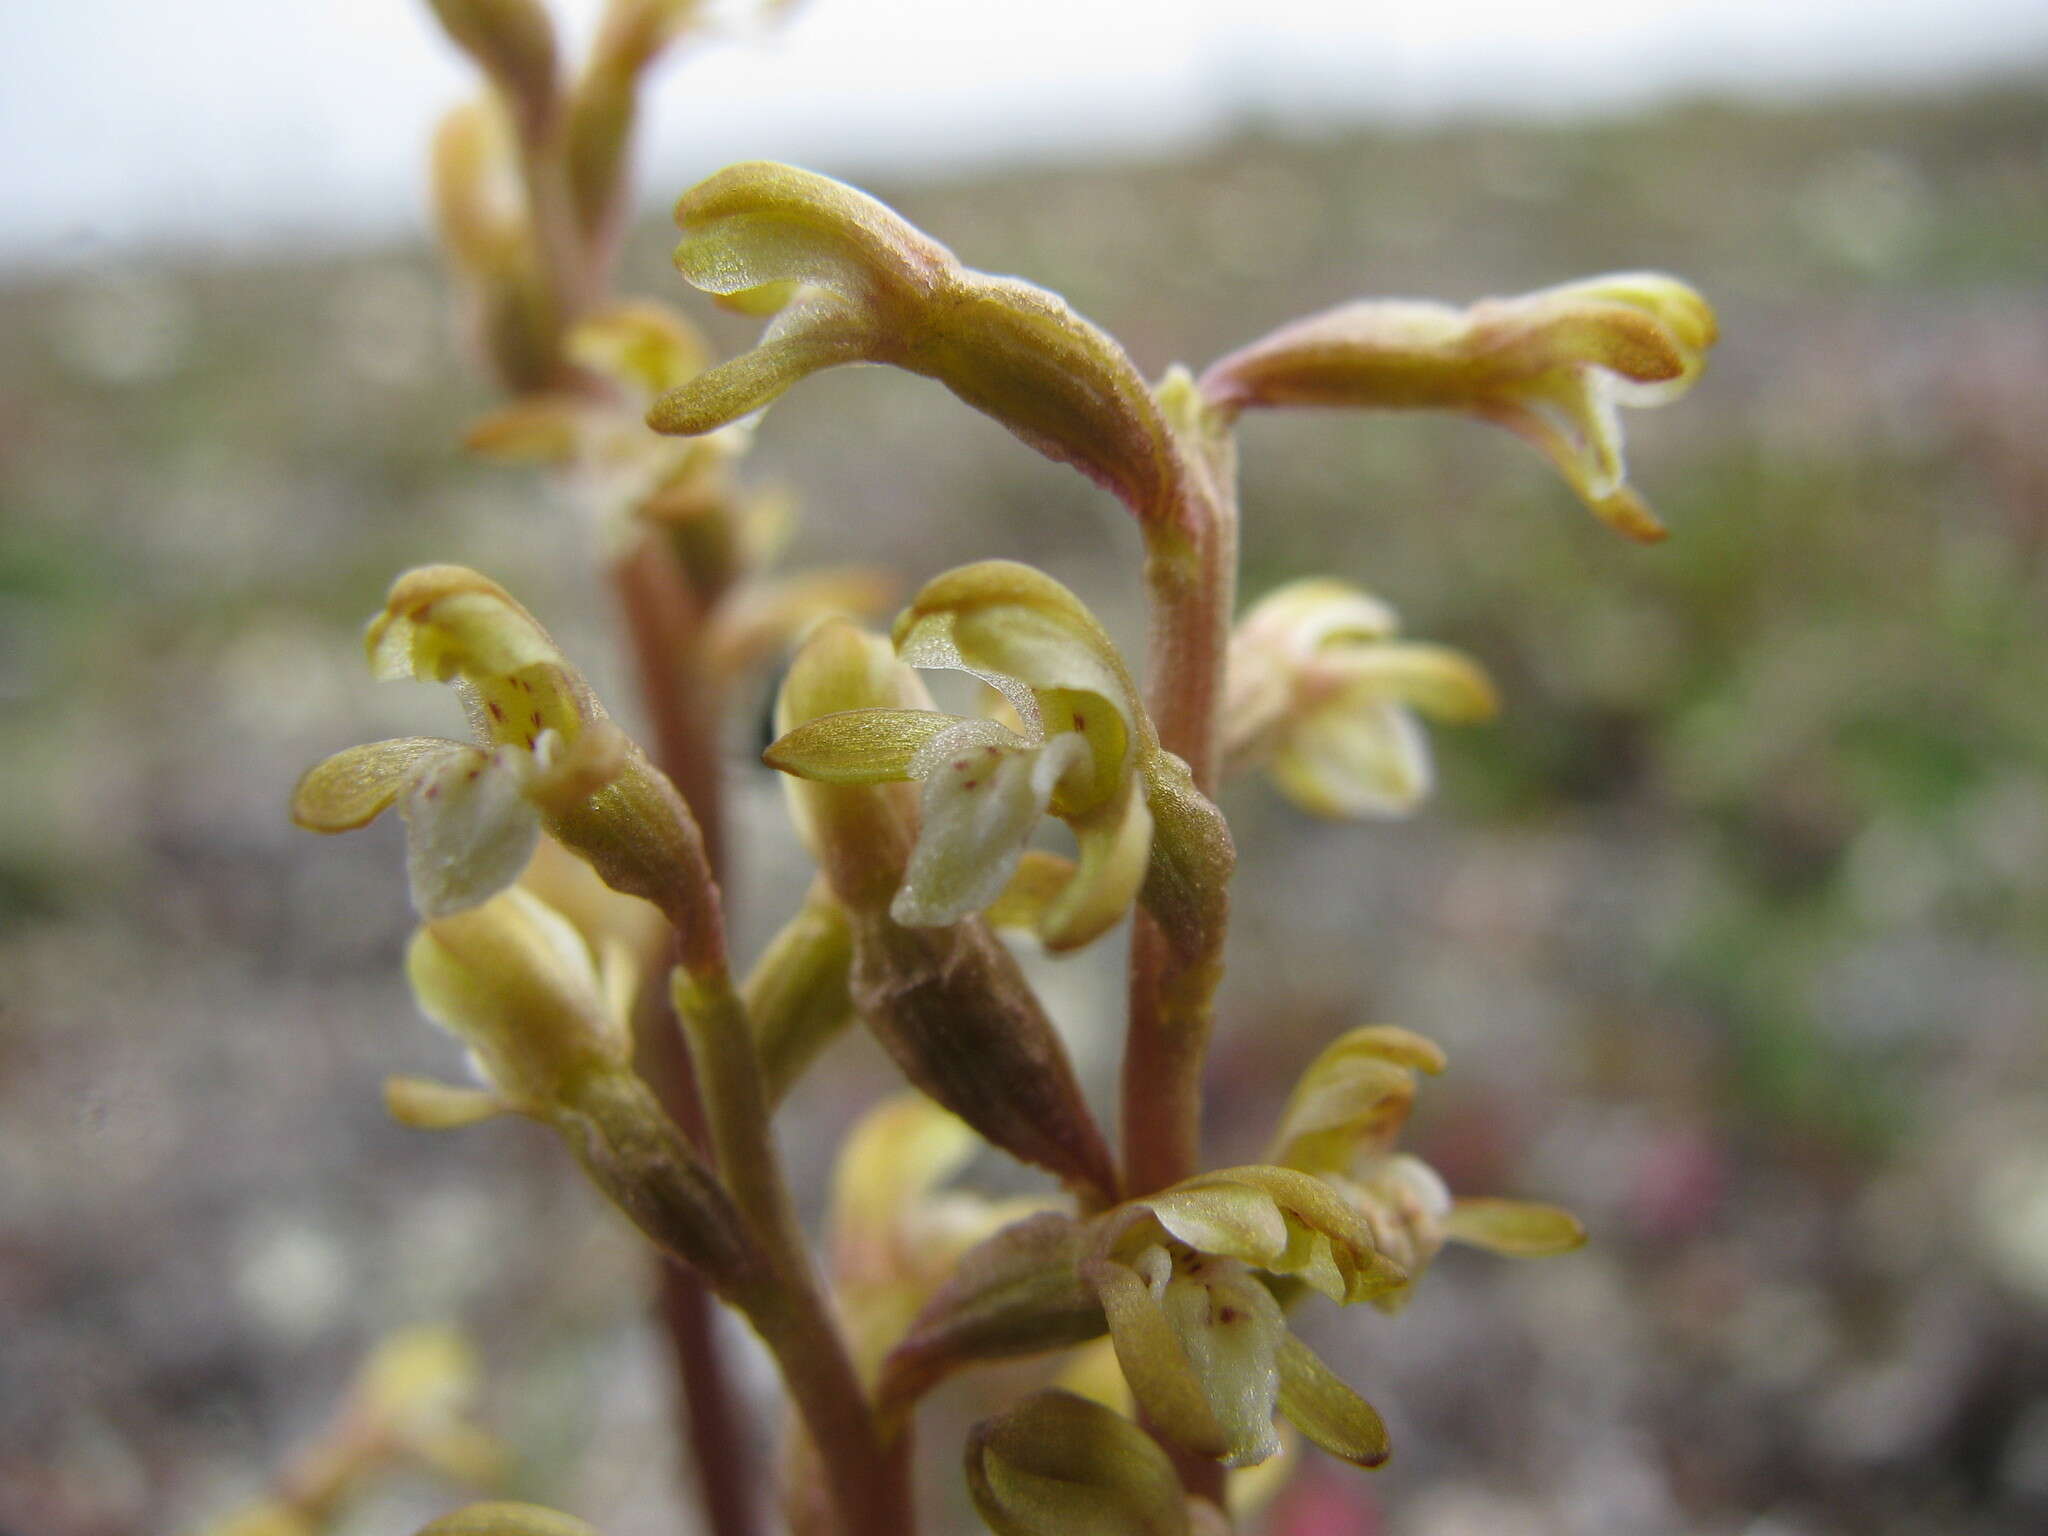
(470, 829)
(979, 809)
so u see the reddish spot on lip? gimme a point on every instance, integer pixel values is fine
(497, 713)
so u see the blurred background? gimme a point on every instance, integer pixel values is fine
(1735, 925)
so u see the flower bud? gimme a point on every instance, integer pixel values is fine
(514, 43)
(480, 211)
(1018, 1292)
(798, 997)
(521, 988)
(1059, 1465)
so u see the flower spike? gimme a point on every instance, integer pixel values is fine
(1550, 366)
(849, 281)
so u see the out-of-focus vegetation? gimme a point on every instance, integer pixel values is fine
(1735, 925)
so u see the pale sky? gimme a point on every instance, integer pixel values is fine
(226, 124)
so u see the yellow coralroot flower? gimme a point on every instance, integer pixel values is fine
(895, 1234)
(473, 811)
(1551, 366)
(1079, 755)
(1183, 1281)
(1324, 696)
(1342, 1124)
(849, 281)
(411, 1402)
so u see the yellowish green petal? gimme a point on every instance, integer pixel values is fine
(537, 429)
(1354, 1097)
(1060, 1465)
(1021, 632)
(895, 1155)
(443, 622)
(1329, 1245)
(645, 347)
(868, 746)
(353, 787)
(814, 333)
(1525, 1228)
(1037, 884)
(426, 1105)
(1318, 1403)
(1161, 1379)
(1444, 684)
(1234, 1220)
(1303, 616)
(1116, 849)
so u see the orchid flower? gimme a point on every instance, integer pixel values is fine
(473, 810)
(1324, 696)
(1552, 367)
(1342, 1125)
(1077, 752)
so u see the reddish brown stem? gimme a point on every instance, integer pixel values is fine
(716, 1446)
(665, 629)
(662, 625)
(1191, 584)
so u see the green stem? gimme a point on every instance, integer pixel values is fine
(636, 1156)
(869, 1487)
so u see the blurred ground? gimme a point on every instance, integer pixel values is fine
(1735, 925)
